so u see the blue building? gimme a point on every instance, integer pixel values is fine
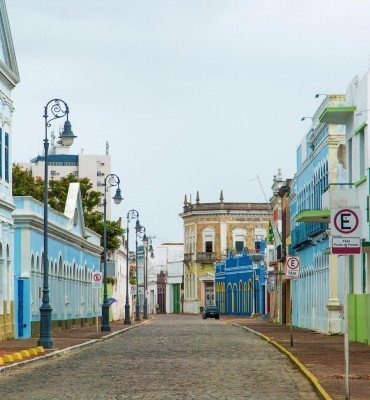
(317, 294)
(234, 285)
(74, 254)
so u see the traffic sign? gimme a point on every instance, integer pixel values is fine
(292, 267)
(133, 289)
(345, 231)
(97, 279)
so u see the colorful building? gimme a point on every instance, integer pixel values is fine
(352, 111)
(74, 255)
(321, 164)
(211, 230)
(240, 284)
(9, 78)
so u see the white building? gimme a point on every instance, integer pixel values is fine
(61, 164)
(9, 78)
(168, 259)
(117, 269)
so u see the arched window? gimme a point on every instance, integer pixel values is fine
(208, 235)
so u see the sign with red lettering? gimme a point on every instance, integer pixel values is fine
(345, 231)
(292, 267)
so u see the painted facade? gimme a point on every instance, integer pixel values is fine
(317, 294)
(240, 289)
(74, 254)
(352, 111)
(211, 230)
(9, 78)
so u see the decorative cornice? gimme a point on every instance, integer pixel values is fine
(68, 237)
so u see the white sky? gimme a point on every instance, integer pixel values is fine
(192, 94)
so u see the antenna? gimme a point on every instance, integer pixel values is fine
(52, 139)
(107, 148)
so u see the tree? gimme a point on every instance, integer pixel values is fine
(24, 184)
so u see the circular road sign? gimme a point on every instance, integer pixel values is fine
(293, 262)
(97, 277)
(346, 221)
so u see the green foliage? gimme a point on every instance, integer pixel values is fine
(111, 280)
(132, 280)
(24, 184)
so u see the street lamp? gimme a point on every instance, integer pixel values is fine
(57, 109)
(132, 214)
(147, 242)
(110, 180)
(256, 258)
(138, 229)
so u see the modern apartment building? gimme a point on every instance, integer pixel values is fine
(61, 164)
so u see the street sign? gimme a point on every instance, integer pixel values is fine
(292, 267)
(345, 246)
(345, 231)
(97, 279)
(133, 289)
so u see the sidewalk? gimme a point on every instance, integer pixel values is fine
(61, 339)
(323, 355)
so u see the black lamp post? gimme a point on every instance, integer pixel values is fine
(147, 242)
(110, 180)
(138, 229)
(132, 214)
(57, 109)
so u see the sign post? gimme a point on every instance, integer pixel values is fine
(345, 241)
(96, 281)
(292, 267)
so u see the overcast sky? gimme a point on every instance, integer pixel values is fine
(191, 95)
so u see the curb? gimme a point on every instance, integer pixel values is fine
(293, 359)
(67, 350)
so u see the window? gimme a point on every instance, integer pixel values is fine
(6, 157)
(361, 152)
(53, 173)
(239, 245)
(350, 174)
(1, 153)
(209, 247)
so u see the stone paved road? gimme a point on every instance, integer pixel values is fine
(171, 357)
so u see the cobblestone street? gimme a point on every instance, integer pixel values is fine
(171, 357)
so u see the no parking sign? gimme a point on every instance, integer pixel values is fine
(97, 279)
(292, 267)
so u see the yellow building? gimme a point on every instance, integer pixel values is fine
(210, 231)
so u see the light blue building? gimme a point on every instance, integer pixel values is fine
(317, 293)
(9, 78)
(74, 254)
(234, 284)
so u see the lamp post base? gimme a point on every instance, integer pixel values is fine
(127, 320)
(145, 309)
(45, 327)
(105, 327)
(137, 313)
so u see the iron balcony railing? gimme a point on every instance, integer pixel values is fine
(206, 257)
(305, 232)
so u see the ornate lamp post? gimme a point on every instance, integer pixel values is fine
(54, 109)
(110, 180)
(138, 229)
(147, 242)
(132, 214)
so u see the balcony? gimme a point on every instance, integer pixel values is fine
(322, 216)
(334, 110)
(206, 257)
(188, 257)
(303, 234)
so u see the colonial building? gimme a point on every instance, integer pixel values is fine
(240, 284)
(352, 111)
(321, 164)
(210, 231)
(9, 78)
(74, 255)
(165, 278)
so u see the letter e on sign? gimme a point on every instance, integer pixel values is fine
(345, 221)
